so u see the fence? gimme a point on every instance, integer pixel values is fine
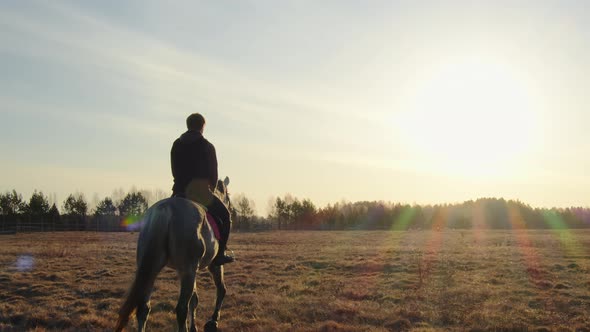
(21, 224)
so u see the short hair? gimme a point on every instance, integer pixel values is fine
(195, 121)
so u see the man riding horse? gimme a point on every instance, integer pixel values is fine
(194, 168)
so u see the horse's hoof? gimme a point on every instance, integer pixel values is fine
(211, 326)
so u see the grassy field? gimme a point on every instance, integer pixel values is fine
(315, 281)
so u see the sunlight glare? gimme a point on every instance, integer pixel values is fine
(472, 116)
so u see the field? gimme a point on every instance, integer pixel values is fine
(315, 281)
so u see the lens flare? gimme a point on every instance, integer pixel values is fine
(132, 223)
(404, 219)
(523, 242)
(25, 263)
(433, 247)
(479, 223)
(568, 243)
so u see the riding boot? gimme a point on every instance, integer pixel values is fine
(221, 257)
(221, 211)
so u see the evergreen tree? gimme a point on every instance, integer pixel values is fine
(105, 208)
(76, 205)
(134, 204)
(38, 205)
(11, 203)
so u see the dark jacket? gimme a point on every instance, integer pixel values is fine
(193, 157)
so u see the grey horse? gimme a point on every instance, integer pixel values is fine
(175, 233)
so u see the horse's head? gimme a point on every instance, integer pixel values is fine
(221, 191)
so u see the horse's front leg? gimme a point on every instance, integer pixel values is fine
(217, 274)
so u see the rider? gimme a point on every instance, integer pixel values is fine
(194, 168)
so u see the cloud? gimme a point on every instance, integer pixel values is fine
(124, 59)
(165, 77)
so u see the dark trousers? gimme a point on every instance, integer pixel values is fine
(223, 217)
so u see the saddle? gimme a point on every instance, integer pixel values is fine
(214, 227)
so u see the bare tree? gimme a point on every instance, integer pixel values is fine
(244, 209)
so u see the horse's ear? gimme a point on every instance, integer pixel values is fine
(226, 181)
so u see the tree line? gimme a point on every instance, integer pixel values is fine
(484, 213)
(290, 213)
(36, 214)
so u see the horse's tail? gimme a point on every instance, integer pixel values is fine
(151, 258)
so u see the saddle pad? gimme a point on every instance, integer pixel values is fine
(214, 226)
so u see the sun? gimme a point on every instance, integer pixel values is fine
(472, 117)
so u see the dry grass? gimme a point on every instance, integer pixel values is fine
(315, 281)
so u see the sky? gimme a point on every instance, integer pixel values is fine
(404, 101)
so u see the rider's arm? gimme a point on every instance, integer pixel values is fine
(212, 167)
(173, 161)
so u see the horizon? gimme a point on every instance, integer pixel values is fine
(152, 197)
(400, 102)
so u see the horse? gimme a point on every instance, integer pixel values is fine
(176, 233)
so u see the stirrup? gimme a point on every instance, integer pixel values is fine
(222, 259)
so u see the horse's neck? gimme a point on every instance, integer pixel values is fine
(222, 197)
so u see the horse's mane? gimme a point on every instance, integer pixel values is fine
(221, 191)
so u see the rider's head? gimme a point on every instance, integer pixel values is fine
(196, 122)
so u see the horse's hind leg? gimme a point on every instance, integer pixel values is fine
(192, 310)
(187, 287)
(143, 311)
(143, 307)
(217, 274)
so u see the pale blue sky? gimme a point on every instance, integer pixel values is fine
(413, 101)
